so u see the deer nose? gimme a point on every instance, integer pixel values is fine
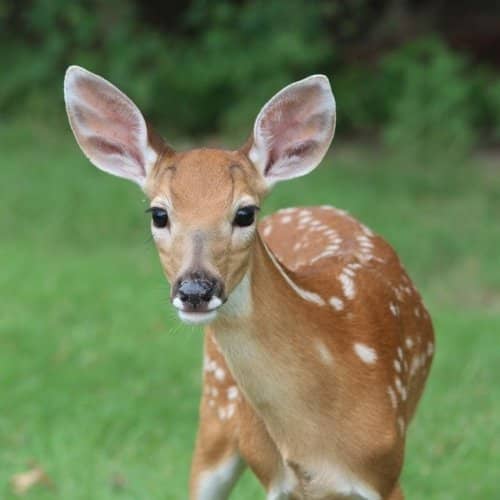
(196, 293)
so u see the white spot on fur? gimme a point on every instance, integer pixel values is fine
(322, 255)
(232, 392)
(336, 303)
(397, 366)
(409, 342)
(206, 363)
(347, 286)
(415, 362)
(286, 219)
(392, 396)
(332, 248)
(304, 219)
(350, 272)
(423, 360)
(210, 365)
(267, 230)
(220, 374)
(394, 309)
(398, 294)
(366, 230)
(399, 385)
(365, 242)
(404, 393)
(231, 408)
(323, 351)
(430, 349)
(401, 424)
(365, 353)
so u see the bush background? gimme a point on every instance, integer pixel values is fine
(201, 67)
(99, 383)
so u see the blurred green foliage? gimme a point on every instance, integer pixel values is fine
(433, 105)
(426, 97)
(234, 58)
(224, 59)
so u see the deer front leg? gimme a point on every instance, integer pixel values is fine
(214, 480)
(217, 462)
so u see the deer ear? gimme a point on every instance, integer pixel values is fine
(293, 130)
(108, 126)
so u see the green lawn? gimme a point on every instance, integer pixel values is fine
(99, 382)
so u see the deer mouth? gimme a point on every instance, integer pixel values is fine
(197, 318)
(200, 313)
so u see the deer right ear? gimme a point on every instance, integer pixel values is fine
(293, 130)
(108, 126)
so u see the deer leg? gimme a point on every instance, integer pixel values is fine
(217, 462)
(214, 481)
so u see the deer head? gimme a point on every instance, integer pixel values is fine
(203, 202)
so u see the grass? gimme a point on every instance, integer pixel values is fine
(100, 383)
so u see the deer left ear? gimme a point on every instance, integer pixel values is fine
(293, 130)
(109, 127)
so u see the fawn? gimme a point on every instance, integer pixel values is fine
(317, 344)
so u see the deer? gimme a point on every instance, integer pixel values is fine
(317, 344)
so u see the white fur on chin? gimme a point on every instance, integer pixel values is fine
(198, 318)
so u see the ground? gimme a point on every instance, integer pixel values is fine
(99, 381)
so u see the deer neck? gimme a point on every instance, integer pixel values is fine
(262, 302)
(260, 335)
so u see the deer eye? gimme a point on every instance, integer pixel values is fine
(159, 216)
(245, 216)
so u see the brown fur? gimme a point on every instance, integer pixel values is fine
(291, 407)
